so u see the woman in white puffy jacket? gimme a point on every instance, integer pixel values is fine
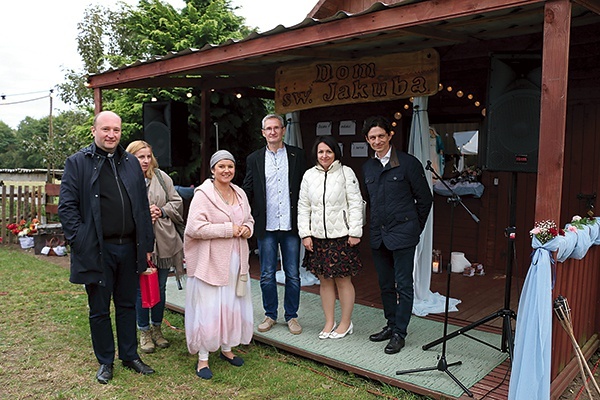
(330, 224)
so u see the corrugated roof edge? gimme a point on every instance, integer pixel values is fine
(378, 6)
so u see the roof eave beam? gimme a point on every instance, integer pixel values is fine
(208, 83)
(592, 5)
(389, 19)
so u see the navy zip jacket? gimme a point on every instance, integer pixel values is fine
(80, 211)
(399, 200)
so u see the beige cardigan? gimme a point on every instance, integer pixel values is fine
(168, 244)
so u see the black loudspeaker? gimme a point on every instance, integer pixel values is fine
(511, 130)
(165, 128)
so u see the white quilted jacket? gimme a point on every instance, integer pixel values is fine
(330, 203)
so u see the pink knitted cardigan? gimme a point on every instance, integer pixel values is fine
(208, 242)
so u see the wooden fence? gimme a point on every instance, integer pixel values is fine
(26, 202)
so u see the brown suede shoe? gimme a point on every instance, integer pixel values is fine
(158, 338)
(266, 325)
(146, 343)
(294, 326)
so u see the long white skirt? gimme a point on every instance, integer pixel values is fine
(215, 316)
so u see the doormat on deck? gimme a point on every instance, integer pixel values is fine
(356, 350)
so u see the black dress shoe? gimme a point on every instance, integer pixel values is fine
(105, 373)
(138, 366)
(395, 345)
(385, 334)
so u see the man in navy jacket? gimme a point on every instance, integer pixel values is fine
(400, 200)
(105, 216)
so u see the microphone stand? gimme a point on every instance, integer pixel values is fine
(507, 315)
(442, 364)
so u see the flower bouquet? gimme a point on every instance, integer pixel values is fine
(545, 231)
(468, 174)
(24, 231)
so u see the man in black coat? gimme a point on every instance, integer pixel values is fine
(105, 216)
(400, 201)
(272, 183)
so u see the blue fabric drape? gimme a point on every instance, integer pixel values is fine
(530, 375)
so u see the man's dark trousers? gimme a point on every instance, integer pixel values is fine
(122, 280)
(395, 273)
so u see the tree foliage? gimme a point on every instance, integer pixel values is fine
(42, 147)
(8, 146)
(112, 39)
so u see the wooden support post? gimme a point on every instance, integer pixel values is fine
(555, 69)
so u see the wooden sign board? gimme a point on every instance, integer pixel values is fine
(369, 79)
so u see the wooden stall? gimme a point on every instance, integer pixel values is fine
(550, 52)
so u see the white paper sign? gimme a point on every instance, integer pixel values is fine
(347, 128)
(359, 149)
(323, 128)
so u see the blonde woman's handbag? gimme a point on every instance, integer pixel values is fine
(179, 227)
(149, 286)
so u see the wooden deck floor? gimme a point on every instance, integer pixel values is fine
(481, 297)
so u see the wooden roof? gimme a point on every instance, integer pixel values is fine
(380, 29)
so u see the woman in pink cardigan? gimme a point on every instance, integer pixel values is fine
(217, 313)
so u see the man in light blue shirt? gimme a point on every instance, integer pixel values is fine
(272, 183)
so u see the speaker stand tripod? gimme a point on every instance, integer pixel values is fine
(443, 364)
(507, 315)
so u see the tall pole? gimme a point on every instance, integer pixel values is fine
(50, 174)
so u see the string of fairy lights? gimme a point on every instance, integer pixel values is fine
(5, 99)
(450, 89)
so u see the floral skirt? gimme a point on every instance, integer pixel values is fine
(332, 258)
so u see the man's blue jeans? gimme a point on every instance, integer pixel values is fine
(290, 255)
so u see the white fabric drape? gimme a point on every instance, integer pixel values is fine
(293, 137)
(425, 301)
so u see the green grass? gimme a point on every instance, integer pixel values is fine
(46, 352)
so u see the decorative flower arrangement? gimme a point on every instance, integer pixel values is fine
(24, 228)
(545, 231)
(580, 222)
(468, 174)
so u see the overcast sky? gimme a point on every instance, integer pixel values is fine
(38, 43)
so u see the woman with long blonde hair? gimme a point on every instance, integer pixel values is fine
(166, 210)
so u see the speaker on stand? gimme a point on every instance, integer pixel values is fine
(165, 129)
(511, 134)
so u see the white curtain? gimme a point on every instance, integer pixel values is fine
(293, 137)
(418, 145)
